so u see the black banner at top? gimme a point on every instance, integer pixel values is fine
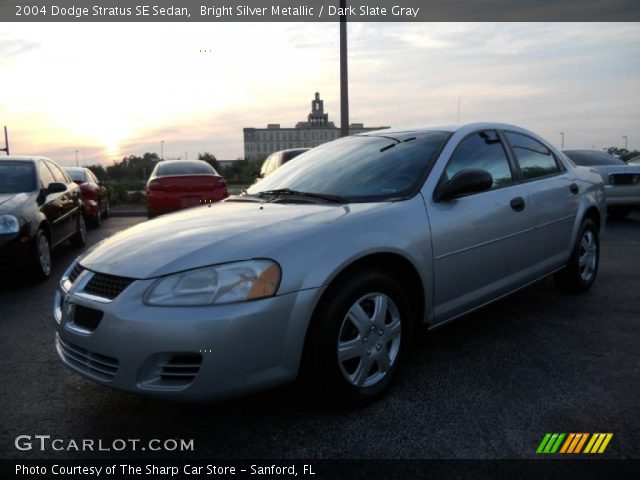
(319, 10)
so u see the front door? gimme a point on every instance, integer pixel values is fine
(481, 242)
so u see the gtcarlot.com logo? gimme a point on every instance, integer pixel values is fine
(574, 443)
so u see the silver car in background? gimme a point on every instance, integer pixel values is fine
(325, 270)
(622, 180)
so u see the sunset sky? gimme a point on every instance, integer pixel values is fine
(111, 90)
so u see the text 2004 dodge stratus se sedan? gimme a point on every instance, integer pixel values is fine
(325, 269)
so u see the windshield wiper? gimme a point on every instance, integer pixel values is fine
(295, 193)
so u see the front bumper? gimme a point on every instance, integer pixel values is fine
(16, 250)
(623, 195)
(187, 353)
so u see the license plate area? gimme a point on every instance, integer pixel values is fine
(191, 201)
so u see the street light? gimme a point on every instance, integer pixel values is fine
(562, 133)
(626, 142)
(344, 82)
(161, 149)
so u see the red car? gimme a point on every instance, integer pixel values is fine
(95, 197)
(177, 184)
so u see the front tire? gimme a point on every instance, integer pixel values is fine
(582, 269)
(41, 261)
(358, 338)
(79, 239)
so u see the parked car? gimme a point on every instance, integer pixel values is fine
(277, 159)
(178, 184)
(635, 161)
(622, 181)
(327, 277)
(40, 207)
(95, 198)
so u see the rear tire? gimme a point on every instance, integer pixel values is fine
(96, 222)
(358, 339)
(79, 239)
(582, 269)
(107, 209)
(41, 261)
(619, 212)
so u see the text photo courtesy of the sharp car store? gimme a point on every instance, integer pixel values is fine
(40, 451)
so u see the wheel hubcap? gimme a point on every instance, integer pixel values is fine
(587, 256)
(369, 340)
(44, 255)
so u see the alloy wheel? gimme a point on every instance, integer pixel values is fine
(587, 256)
(369, 339)
(44, 254)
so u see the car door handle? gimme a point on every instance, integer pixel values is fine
(574, 188)
(517, 204)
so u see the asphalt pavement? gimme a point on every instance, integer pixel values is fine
(489, 385)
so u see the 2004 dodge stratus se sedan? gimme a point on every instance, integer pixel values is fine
(325, 269)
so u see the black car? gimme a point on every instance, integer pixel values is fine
(40, 207)
(277, 159)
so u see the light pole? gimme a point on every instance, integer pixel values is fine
(626, 142)
(344, 83)
(161, 149)
(562, 134)
(77, 157)
(6, 141)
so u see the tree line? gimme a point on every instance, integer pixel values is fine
(135, 170)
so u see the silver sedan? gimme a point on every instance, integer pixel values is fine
(325, 270)
(622, 180)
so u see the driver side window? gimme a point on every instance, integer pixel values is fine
(482, 150)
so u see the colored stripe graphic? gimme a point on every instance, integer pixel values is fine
(551, 443)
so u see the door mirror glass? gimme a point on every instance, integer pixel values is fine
(465, 182)
(56, 187)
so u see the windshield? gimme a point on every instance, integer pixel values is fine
(185, 167)
(634, 161)
(17, 177)
(360, 168)
(76, 175)
(592, 159)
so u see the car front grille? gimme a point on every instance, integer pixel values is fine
(87, 318)
(94, 364)
(179, 370)
(624, 179)
(77, 270)
(107, 286)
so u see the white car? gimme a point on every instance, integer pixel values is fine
(621, 180)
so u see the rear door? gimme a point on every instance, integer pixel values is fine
(554, 196)
(481, 242)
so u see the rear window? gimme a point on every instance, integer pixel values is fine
(77, 175)
(185, 168)
(17, 177)
(592, 159)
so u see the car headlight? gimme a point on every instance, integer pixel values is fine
(228, 283)
(9, 224)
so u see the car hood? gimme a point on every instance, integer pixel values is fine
(14, 203)
(207, 235)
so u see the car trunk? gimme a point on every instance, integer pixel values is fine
(191, 183)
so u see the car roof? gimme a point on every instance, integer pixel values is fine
(24, 158)
(444, 128)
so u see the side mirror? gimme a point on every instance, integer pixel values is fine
(465, 182)
(56, 187)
